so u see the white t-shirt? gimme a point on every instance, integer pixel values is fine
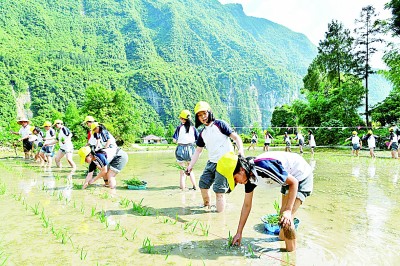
(293, 163)
(24, 131)
(371, 142)
(65, 135)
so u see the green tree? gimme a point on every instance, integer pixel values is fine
(367, 33)
(335, 52)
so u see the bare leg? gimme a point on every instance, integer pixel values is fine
(59, 155)
(205, 193)
(220, 199)
(70, 161)
(112, 182)
(290, 243)
(182, 176)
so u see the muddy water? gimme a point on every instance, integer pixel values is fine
(351, 218)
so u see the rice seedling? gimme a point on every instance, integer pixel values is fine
(44, 187)
(107, 223)
(251, 251)
(93, 211)
(45, 220)
(105, 195)
(194, 226)
(82, 209)
(60, 196)
(102, 216)
(177, 166)
(140, 209)
(3, 259)
(57, 177)
(230, 239)
(123, 233)
(205, 228)
(74, 205)
(35, 209)
(83, 254)
(117, 225)
(3, 188)
(67, 200)
(77, 186)
(124, 202)
(63, 235)
(147, 246)
(134, 234)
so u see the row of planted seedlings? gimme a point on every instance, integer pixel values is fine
(193, 227)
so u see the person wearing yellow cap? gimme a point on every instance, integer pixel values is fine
(47, 150)
(215, 136)
(37, 143)
(393, 143)
(104, 139)
(185, 136)
(109, 162)
(24, 132)
(371, 140)
(289, 170)
(66, 146)
(355, 142)
(89, 120)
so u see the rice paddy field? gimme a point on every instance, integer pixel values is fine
(352, 217)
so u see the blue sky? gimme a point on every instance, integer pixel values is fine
(311, 17)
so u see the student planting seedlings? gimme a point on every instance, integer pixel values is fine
(109, 161)
(287, 169)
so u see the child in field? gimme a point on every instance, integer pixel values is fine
(356, 143)
(287, 169)
(215, 136)
(254, 140)
(393, 144)
(185, 136)
(91, 141)
(110, 162)
(104, 139)
(299, 137)
(288, 142)
(66, 146)
(267, 141)
(24, 132)
(46, 152)
(371, 140)
(37, 143)
(311, 141)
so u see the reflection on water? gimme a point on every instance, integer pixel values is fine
(350, 219)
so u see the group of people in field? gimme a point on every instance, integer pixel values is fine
(100, 152)
(225, 169)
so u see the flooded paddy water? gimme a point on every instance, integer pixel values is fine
(352, 218)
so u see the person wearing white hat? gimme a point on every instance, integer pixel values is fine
(66, 146)
(25, 132)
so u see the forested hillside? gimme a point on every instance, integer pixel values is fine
(168, 54)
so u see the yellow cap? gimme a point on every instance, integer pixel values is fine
(201, 106)
(354, 133)
(93, 126)
(89, 118)
(47, 124)
(32, 129)
(391, 129)
(185, 114)
(370, 132)
(83, 152)
(58, 121)
(226, 165)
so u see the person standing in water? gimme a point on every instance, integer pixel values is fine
(288, 142)
(46, 152)
(311, 141)
(24, 133)
(267, 141)
(215, 136)
(287, 169)
(299, 137)
(66, 146)
(253, 141)
(356, 143)
(371, 140)
(393, 144)
(185, 136)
